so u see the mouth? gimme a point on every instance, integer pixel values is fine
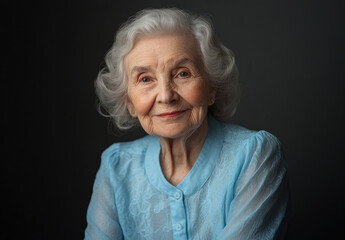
(173, 114)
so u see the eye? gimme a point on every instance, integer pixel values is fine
(145, 79)
(183, 74)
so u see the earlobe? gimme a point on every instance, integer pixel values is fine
(212, 96)
(131, 109)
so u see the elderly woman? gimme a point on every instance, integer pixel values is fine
(194, 176)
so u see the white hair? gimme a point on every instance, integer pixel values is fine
(111, 83)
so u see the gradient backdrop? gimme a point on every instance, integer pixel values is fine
(290, 56)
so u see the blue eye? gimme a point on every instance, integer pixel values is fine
(145, 79)
(183, 74)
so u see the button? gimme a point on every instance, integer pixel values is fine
(178, 227)
(177, 195)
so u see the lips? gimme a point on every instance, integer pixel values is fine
(171, 114)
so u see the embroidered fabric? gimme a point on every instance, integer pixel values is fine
(237, 189)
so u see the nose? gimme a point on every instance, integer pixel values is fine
(167, 93)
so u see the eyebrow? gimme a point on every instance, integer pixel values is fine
(147, 68)
(183, 61)
(139, 69)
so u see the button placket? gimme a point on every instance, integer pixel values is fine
(178, 214)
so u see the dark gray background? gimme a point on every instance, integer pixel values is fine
(290, 56)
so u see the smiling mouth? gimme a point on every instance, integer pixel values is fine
(171, 114)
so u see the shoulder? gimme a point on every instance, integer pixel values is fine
(251, 147)
(238, 138)
(119, 156)
(131, 147)
(237, 135)
(253, 154)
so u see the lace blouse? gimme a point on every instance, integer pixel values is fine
(237, 189)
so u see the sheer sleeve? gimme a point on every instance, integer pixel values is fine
(261, 192)
(102, 218)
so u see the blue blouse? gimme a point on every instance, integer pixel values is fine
(237, 189)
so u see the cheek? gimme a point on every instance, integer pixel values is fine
(142, 104)
(196, 95)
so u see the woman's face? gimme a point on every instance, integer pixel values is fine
(168, 89)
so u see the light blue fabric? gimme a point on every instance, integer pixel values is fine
(237, 189)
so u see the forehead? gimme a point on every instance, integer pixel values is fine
(164, 49)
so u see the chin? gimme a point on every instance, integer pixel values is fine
(174, 132)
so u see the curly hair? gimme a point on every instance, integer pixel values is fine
(111, 83)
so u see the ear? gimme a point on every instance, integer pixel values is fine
(212, 96)
(131, 108)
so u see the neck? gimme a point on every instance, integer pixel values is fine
(178, 155)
